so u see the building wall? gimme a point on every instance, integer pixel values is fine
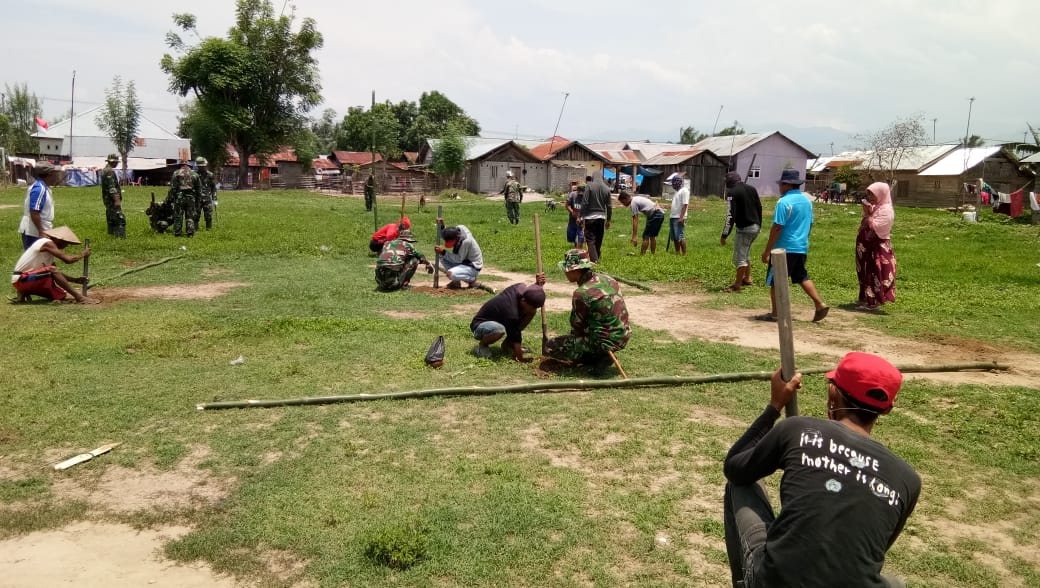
(948, 191)
(489, 176)
(771, 156)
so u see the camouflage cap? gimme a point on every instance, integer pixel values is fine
(201, 161)
(406, 235)
(576, 259)
(112, 157)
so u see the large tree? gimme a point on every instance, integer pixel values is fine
(689, 135)
(376, 129)
(257, 85)
(325, 130)
(120, 117)
(734, 129)
(449, 154)
(206, 133)
(891, 144)
(21, 108)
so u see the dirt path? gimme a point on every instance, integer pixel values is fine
(687, 316)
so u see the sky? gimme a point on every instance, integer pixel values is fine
(820, 71)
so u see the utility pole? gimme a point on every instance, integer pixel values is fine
(714, 126)
(72, 113)
(967, 131)
(933, 130)
(372, 167)
(832, 148)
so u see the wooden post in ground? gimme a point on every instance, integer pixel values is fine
(538, 253)
(86, 266)
(782, 293)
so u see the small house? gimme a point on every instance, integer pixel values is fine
(759, 157)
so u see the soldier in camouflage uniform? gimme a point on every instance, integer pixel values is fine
(208, 194)
(370, 192)
(599, 318)
(514, 193)
(185, 188)
(112, 196)
(398, 261)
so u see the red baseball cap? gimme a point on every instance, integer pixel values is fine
(868, 379)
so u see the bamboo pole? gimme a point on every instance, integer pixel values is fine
(538, 254)
(642, 287)
(568, 386)
(136, 269)
(782, 298)
(86, 267)
(436, 254)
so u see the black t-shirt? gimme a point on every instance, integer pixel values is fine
(504, 308)
(844, 500)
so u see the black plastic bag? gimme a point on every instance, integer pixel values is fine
(435, 356)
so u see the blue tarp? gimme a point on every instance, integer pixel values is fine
(78, 178)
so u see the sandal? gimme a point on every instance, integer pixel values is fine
(820, 314)
(766, 317)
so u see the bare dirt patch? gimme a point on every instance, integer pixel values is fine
(206, 291)
(404, 315)
(92, 554)
(145, 488)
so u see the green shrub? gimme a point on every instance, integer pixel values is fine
(397, 547)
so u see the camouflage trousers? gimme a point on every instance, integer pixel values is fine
(115, 219)
(513, 212)
(370, 197)
(204, 205)
(581, 350)
(183, 213)
(390, 278)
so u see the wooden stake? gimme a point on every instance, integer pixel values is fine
(86, 267)
(436, 255)
(782, 294)
(617, 364)
(538, 254)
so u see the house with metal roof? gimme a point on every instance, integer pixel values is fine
(942, 183)
(759, 157)
(705, 171)
(566, 161)
(487, 162)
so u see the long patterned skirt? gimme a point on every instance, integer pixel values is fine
(876, 268)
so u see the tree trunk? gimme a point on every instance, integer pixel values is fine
(243, 167)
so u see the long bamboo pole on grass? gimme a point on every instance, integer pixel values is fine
(136, 269)
(538, 254)
(570, 386)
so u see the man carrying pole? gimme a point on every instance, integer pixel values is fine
(845, 497)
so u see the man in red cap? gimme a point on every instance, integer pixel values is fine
(844, 497)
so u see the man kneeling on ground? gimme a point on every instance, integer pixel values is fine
(507, 315)
(398, 261)
(388, 233)
(599, 318)
(845, 497)
(35, 274)
(461, 257)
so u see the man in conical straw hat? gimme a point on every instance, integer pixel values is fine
(35, 274)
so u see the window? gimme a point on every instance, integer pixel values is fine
(938, 185)
(755, 172)
(494, 172)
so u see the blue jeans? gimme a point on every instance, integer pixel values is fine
(678, 230)
(742, 245)
(461, 272)
(488, 328)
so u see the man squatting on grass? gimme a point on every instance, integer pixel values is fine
(35, 275)
(507, 315)
(398, 261)
(745, 212)
(386, 233)
(792, 222)
(599, 317)
(461, 256)
(654, 220)
(844, 497)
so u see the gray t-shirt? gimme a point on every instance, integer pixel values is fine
(644, 205)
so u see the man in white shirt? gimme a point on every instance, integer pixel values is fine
(38, 211)
(35, 275)
(654, 220)
(677, 220)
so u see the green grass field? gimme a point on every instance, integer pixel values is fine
(600, 488)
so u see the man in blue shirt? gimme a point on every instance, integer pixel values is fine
(792, 221)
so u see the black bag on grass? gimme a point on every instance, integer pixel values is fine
(435, 356)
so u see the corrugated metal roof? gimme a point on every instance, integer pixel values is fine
(86, 126)
(1034, 158)
(913, 159)
(547, 150)
(959, 160)
(355, 157)
(727, 146)
(648, 149)
(322, 163)
(608, 146)
(621, 157)
(673, 157)
(821, 164)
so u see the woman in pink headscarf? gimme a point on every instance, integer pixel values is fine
(875, 259)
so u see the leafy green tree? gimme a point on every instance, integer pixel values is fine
(975, 141)
(305, 144)
(690, 135)
(734, 129)
(374, 129)
(120, 117)
(449, 154)
(206, 134)
(847, 175)
(21, 109)
(325, 130)
(257, 85)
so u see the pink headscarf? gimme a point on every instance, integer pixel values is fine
(881, 215)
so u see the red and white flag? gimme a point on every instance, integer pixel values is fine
(41, 125)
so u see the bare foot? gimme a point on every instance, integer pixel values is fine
(88, 300)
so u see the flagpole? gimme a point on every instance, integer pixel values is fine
(72, 113)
